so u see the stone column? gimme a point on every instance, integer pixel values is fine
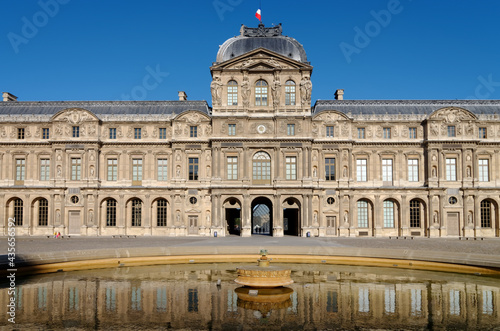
(378, 217)
(277, 218)
(246, 230)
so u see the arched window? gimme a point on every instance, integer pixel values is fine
(161, 212)
(43, 212)
(290, 93)
(18, 211)
(485, 214)
(362, 214)
(261, 168)
(261, 93)
(111, 212)
(415, 213)
(388, 214)
(136, 212)
(232, 93)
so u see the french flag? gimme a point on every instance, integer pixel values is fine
(257, 14)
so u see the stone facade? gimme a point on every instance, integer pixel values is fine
(260, 161)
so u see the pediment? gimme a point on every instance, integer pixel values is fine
(330, 116)
(75, 116)
(260, 59)
(453, 115)
(192, 117)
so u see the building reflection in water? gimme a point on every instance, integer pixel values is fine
(188, 297)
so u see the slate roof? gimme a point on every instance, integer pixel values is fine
(269, 38)
(103, 107)
(417, 107)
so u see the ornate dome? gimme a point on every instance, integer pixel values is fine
(269, 38)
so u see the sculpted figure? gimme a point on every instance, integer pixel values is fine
(305, 90)
(216, 87)
(245, 91)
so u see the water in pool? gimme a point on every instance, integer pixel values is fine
(191, 297)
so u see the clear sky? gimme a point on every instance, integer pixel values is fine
(151, 49)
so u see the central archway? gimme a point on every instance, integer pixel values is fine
(262, 216)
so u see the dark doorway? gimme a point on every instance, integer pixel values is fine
(291, 217)
(233, 217)
(291, 222)
(262, 216)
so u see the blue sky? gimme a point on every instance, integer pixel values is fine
(149, 50)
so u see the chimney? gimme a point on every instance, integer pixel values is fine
(182, 96)
(8, 97)
(339, 95)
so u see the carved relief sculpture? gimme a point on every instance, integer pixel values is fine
(245, 91)
(305, 90)
(216, 87)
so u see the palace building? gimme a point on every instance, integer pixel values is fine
(262, 160)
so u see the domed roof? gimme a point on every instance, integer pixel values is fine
(269, 38)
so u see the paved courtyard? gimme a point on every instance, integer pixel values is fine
(42, 250)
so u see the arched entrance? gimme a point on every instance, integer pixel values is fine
(291, 217)
(262, 216)
(232, 207)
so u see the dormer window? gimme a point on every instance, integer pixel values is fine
(232, 93)
(261, 93)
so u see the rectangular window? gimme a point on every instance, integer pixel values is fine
(110, 297)
(361, 133)
(291, 167)
(137, 133)
(412, 133)
(44, 169)
(231, 129)
(232, 167)
(387, 170)
(416, 301)
(388, 214)
(362, 214)
(192, 300)
(136, 170)
(487, 302)
(112, 169)
(20, 169)
(483, 170)
(76, 132)
(482, 133)
(363, 300)
(45, 133)
(332, 302)
(76, 168)
(390, 300)
(329, 131)
(451, 131)
(193, 168)
(163, 133)
(112, 133)
(290, 93)
(414, 214)
(290, 129)
(451, 169)
(361, 170)
(387, 133)
(454, 302)
(20, 133)
(232, 93)
(413, 170)
(193, 131)
(162, 169)
(161, 299)
(329, 169)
